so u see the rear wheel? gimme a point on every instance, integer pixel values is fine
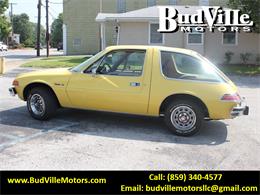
(41, 103)
(183, 117)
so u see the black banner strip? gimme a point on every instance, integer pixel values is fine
(129, 182)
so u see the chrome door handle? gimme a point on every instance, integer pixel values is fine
(135, 84)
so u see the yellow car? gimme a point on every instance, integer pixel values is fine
(178, 84)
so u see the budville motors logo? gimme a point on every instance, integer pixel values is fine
(211, 18)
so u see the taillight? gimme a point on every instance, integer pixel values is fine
(231, 97)
(15, 83)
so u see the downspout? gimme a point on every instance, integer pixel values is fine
(65, 49)
(103, 36)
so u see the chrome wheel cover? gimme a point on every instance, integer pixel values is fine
(183, 118)
(37, 104)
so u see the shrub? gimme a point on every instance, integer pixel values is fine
(245, 57)
(228, 56)
(28, 43)
(18, 46)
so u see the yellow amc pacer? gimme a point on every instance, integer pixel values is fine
(178, 84)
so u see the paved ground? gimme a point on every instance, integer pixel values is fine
(26, 54)
(17, 57)
(94, 140)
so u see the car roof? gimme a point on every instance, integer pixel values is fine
(145, 47)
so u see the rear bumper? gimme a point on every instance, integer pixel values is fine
(12, 91)
(239, 111)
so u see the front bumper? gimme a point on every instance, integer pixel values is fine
(12, 91)
(239, 111)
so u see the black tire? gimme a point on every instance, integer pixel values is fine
(173, 120)
(49, 100)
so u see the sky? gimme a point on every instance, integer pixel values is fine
(30, 8)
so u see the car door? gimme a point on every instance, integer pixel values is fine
(117, 82)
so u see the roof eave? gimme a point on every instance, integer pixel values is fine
(127, 19)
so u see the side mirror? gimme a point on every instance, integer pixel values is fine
(94, 71)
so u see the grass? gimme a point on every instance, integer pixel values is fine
(56, 62)
(241, 69)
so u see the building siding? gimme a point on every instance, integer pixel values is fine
(215, 50)
(128, 33)
(174, 39)
(212, 46)
(79, 18)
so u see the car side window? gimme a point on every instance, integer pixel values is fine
(112, 63)
(168, 65)
(183, 66)
(120, 63)
(187, 64)
(94, 66)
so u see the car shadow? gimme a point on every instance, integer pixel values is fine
(111, 125)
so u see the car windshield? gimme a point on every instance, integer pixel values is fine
(183, 66)
(83, 65)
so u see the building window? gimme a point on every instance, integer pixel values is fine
(151, 3)
(204, 2)
(172, 2)
(195, 38)
(121, 6)
(155, 36)
(229, 38)
(76, 42)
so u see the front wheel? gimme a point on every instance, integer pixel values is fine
(183, 117)
(41, 103)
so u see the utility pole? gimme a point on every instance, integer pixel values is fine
(100, 37)
(101, 6)
(39, 29)
(12, 21)
(47, 29)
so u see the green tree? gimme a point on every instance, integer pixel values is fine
(3, 6)
(22, 26)
(56, 31)
(5, 27)
(251, 7)
(34, 33)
